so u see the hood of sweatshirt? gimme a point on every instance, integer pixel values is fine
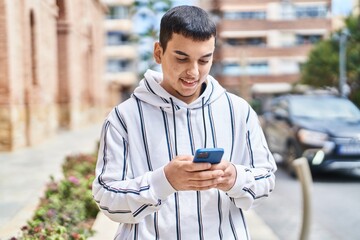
(151, 92)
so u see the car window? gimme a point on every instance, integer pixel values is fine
(325, 108)
(279, 104)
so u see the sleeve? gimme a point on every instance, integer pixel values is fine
(255, 177)
(122, 198)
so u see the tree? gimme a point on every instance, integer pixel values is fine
(321, 69)
(322, 66)
(146, 18)
(353, 58)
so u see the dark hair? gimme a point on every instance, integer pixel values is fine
(189, 21)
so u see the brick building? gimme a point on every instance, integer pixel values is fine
(51, 68)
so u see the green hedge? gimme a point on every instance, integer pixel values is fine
(67, 210)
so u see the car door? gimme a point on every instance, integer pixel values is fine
(277, 125)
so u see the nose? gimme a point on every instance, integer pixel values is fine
(193, 70)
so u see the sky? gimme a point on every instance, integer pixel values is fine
(341, 7)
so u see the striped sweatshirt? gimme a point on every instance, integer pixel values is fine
(142, 134)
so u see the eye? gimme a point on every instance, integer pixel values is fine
(203, 61)
(181, 59)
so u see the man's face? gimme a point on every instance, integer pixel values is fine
(185, 65)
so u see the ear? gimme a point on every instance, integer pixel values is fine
(158, 52)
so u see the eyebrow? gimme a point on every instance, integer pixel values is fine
(184, 54)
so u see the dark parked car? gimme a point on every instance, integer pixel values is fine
(296, 123)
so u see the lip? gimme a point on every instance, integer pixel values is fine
(189, 82)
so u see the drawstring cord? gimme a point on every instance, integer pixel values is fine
(174, 121)
(203, 114)
(175, 134)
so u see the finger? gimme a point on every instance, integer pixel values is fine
(201, 185)
(183, 158)
(195, 167)
(227, 171)
(206, 175)
(220, 166)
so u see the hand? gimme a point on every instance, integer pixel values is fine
(183, 174)
(227, 181)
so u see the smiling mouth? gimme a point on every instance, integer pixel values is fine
(191, 82)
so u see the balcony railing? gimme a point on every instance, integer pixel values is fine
(265, 25)
(263, 52)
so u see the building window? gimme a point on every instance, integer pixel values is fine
(307, 39)
(287, 10)
(258, 68)
(254, 68)
(251, 41)
(118, 12)
(232, 69)
(117, 38)
(118, 65)
(311, 11)
(62, 12)
(245, 15)
(33, 49)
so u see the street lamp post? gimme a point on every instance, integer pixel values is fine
(343, 88)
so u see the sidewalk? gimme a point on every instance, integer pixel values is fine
(24, 174)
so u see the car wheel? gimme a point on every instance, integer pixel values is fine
(292, 153)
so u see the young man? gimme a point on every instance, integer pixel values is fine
(145, 176)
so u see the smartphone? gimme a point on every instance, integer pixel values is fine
(210, 155)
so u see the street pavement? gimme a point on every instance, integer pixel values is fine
(25, 173)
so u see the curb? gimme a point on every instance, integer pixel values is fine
(104, 228)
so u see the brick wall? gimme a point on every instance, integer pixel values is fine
(4, 85)
(50, 75)
(3, 55)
